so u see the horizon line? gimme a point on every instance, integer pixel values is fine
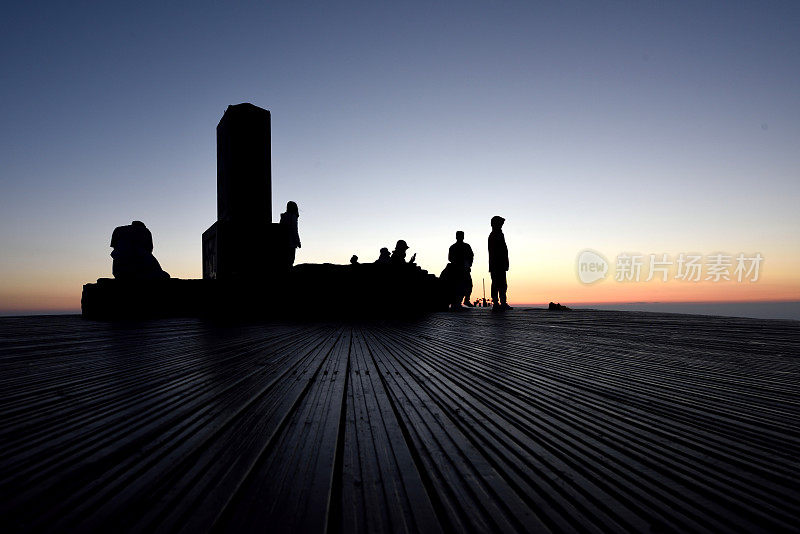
(17, 312)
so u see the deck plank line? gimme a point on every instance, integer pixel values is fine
(289, 486)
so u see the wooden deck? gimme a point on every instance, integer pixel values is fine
(527, 421)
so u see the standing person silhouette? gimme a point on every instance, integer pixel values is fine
(461, 256)
(289, 222)
(498, 264)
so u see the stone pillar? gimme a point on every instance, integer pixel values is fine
(239, 245)
(244, 173)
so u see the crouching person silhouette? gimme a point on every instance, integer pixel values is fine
(133, 254)
(384, 258)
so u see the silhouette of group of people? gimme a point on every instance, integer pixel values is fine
(291, 234)
(134, 260)
(397, 256)
(457, 274)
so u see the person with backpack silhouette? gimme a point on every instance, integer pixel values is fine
(460, 256)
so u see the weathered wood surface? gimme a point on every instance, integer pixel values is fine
(527, 421)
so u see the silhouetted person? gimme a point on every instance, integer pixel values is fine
(133, 254)
(461, 256)
(384, 258)
(399, 254)
(289, 222)
(353, 260)
(452, 279)
(498, 264)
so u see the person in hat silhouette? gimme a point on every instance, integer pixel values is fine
(399, 254)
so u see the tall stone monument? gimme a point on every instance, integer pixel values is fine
(241, 244)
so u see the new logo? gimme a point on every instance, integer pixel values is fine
(592, 266)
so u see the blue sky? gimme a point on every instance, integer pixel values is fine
(660, 127)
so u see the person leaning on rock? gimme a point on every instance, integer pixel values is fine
(289, 224)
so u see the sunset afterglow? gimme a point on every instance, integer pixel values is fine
(647, 129)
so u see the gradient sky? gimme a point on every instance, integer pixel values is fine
(650, 127)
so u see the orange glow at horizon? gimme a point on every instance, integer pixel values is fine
(565, 287)
(614, 293)
(519, 292)
(532, 280)
(551, 275)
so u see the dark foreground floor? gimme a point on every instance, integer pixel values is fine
(529, 421)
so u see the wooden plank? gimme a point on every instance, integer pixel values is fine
(469, 489)
(289, 488)
(381, 488)
(201, 473)
(110, 450)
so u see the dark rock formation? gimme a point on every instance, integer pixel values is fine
(306, 291)
(133, 254)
